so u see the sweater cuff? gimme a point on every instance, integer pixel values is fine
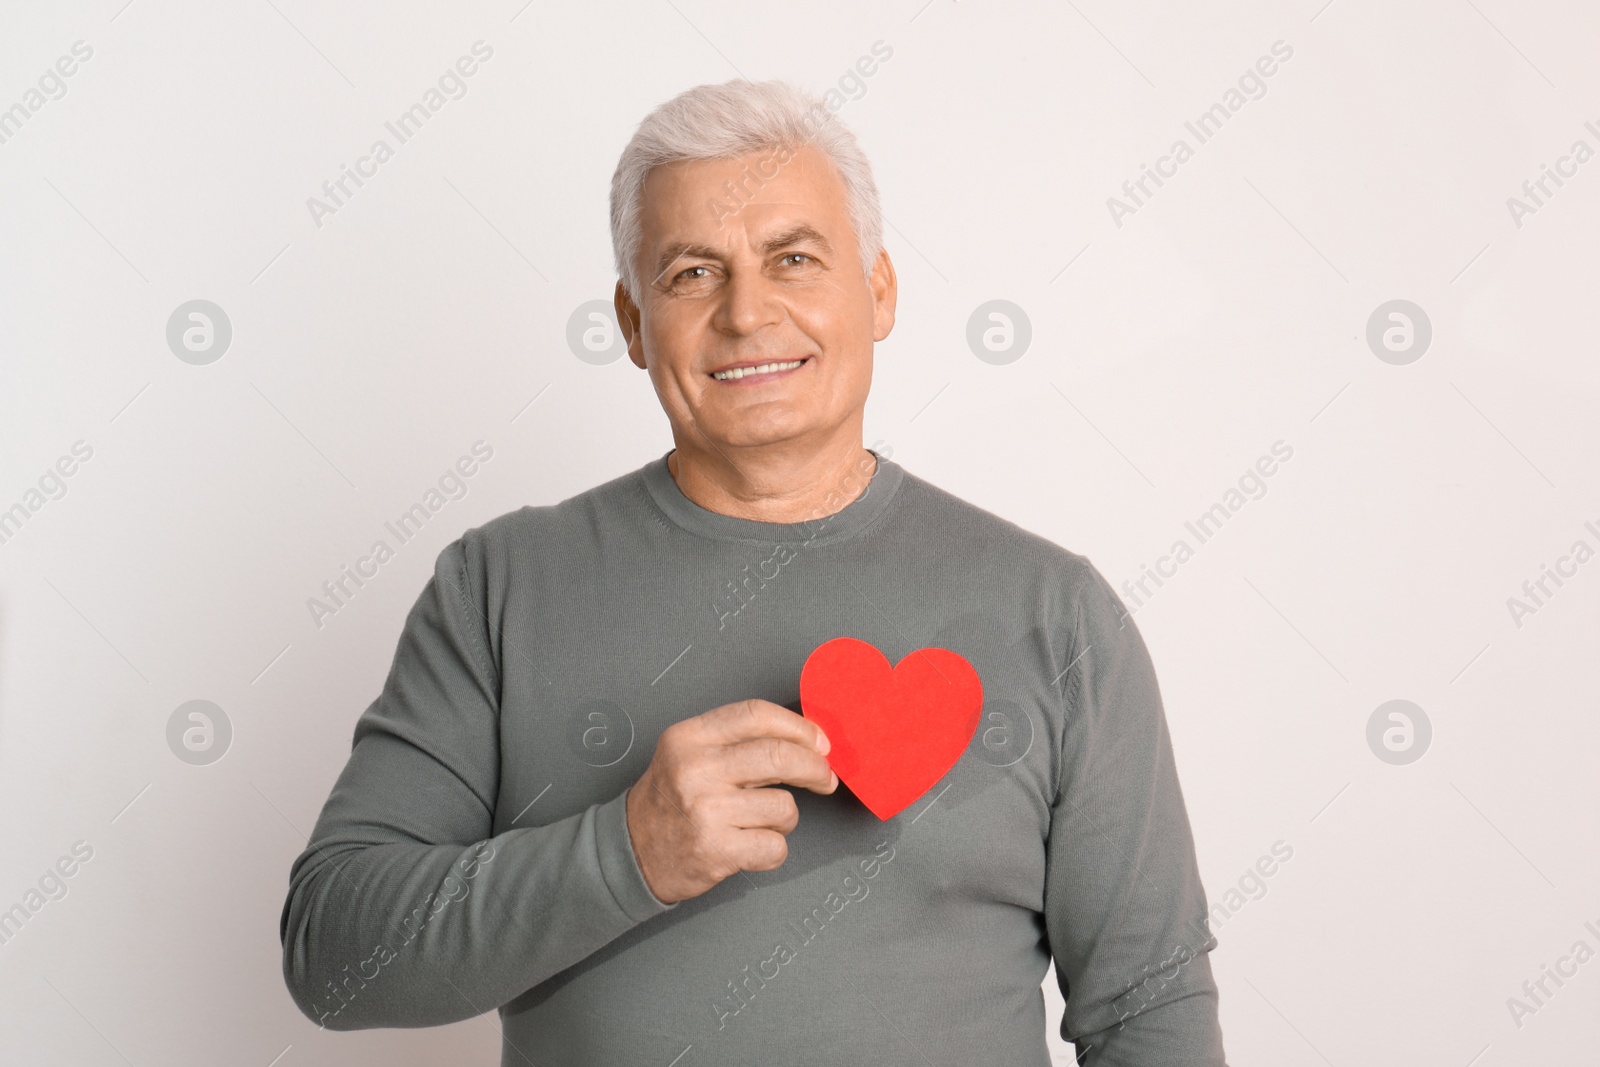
(618, 864)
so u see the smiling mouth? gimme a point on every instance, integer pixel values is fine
(760, 370)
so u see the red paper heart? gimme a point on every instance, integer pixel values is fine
(894, 732)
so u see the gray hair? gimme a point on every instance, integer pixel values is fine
(730, 120)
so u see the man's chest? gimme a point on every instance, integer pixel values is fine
(589, 682)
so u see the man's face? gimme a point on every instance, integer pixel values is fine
(771, 277)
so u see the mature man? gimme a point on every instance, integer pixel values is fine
(568, 801)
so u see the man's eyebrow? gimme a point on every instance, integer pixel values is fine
(794, 235)
(678, 250)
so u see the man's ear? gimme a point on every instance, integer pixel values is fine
(885, 291)
(628, 319)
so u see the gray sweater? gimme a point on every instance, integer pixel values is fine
(474, 854)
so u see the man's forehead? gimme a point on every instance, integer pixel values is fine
(754, 225)
(742, 201)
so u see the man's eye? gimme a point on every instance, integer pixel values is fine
(798, 255)
(684, 275)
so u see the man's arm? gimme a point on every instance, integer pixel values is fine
(404, 910)
(1124, 907)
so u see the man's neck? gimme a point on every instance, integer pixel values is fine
(773, 485)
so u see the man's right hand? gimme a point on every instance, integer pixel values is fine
(699, 813)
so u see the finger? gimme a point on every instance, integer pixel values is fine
(771, 761)
(763, 809)
(757, 850)
(746, 720)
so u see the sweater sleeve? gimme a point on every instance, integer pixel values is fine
(1125, 910)
(405, 909)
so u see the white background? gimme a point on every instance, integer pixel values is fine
(1229, 312)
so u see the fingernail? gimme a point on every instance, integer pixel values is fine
(823, 744)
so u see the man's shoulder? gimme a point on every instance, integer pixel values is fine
(539, 524)
(995, 553)
(965, 530)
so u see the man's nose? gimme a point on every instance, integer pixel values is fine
(749, 302)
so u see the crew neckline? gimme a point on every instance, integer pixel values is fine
(844, 523)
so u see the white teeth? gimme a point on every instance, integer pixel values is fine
(765, 368)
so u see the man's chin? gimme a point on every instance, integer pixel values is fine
(736, 435)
